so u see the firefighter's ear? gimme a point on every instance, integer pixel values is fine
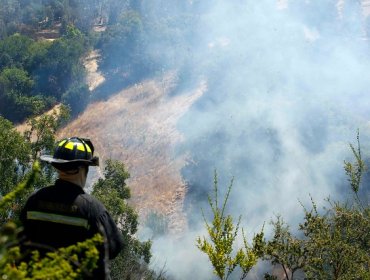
(95, 161)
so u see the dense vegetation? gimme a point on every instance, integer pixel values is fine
(43, 44)
(36, 75)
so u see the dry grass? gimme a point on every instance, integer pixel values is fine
(21, 128)
(138, 127)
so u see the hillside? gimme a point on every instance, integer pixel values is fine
(138, 127)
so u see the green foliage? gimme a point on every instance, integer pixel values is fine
(36, 74)
(222, 233)
(17, 154)
(76, 97)
(16, 81)
(15, 95)
(21, 187)
(30, 16)
(14, 162)
(34, 15)
(355, 170)
(125, 35)
(14, 156)
(9, 16)
(17, 49)
(115, 175)
(73, 262)
(43, 128)
(61, 66)
(335, 244)
(285, 250)
(113, 192)
(8, 231)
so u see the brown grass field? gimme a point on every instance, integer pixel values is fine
(138, 127)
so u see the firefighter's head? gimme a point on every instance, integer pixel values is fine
(72, 158)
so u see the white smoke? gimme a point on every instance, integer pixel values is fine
(288, 88)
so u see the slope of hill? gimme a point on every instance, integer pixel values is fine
(138, 127)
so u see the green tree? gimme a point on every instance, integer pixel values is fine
(222, 234)
(9, 17)
(41, 130)
(355, 170)
(18, 152)
(14, 156)
(32, 14)
(62, 65)
(113, 192)
(16, 47)
(285, 250)
(77, 97)
(16, 99)
(14, 162)
(40, 135)
(125, 35)
(335, 242)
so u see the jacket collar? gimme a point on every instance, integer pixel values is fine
(59, 183)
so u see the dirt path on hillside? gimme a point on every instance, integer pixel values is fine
(138, 127)
(94, 77)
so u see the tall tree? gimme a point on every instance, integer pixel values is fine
(113, 192)
(14, 156)
(18, 152)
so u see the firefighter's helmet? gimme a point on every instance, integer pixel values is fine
(72, 152)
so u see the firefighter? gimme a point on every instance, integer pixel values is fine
(63, 214)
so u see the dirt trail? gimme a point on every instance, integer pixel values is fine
(93, 77)
(138, 127)
(21, 128)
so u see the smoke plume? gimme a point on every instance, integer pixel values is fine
(287, 90)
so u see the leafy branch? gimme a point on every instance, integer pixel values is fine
(355, 170)
(222, 234)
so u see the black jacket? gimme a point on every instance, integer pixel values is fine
(63, 214)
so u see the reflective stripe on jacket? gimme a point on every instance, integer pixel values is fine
(63, 214)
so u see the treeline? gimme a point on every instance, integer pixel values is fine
(35, 75)
(43, 43)
(31, 16)
(35, 72)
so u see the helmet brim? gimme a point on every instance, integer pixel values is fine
(51, 160)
